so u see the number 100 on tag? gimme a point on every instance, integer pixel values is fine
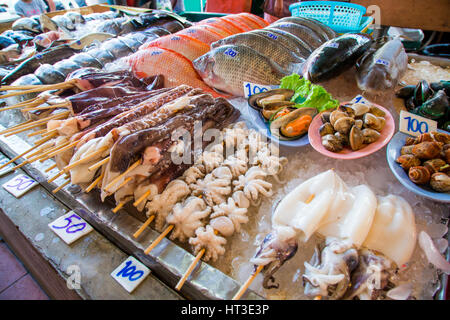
(415, 125)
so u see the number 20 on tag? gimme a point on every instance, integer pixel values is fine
(415, 125)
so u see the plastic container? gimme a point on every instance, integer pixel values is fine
(342, 17)
(411, 38)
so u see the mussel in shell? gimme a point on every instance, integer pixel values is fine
(441, 85)
(405, 92)
(259, 100)
(294, 124)
(275, 109)
(325, 116)
(422, 92)
(435, 107)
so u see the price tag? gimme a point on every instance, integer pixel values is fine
(130, 273)
(19, 185)
(415, 125)
(360, 99)
(70, 227)
(252, 88)
(6, 169)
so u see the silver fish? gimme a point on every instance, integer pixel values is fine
(226, 68)
(381, 69)
(301, 31)
(322, 30)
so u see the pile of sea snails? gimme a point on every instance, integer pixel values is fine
(351, 126)
(427, 160)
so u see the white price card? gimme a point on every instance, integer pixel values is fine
(415, 125)
(360, 99)
(70, 227)
(252, 88)
(6, 169)
(19, 185)
(130, 274)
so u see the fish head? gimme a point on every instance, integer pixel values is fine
(204, 65)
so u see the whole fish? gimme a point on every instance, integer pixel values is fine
(28, 24)
(189, 47)
(265, 46)
(226, 68)
(302, 32)
(284, 38)
(381, 69)
(322, 30)
(335, 56)
(31, 64)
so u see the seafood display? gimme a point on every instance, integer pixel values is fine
(429, 100)
(381, 69)
(145, 115)
(361, 231)
(427, 160)
(290, 109)
(262, 56)
(352, 125)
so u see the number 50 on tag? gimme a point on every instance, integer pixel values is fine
(415, 125)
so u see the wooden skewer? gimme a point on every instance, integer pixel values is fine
(158, 240)
(19, 125)
(124, 182)
(18, 156)
(93, 184)
(61, 186)
(50, 168)
(43, 148)
(55, 176)
(47, 133)
(64, 148)
(46, 153)
(64, 85)
(25, 104)
(119, 206)
(144, 225)
(85, 159)
(50, 106)
(46, 138)
(33, 124)
(26, 87)
(189, 270)
(142, 198)
(36, 133)
(114, 181)
(98, 164)
(249, 281)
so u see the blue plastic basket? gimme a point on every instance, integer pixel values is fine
(342, 17)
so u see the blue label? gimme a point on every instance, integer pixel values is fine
(175, 38)
(154, 53)
(230, 52)
(383, 62)
(271, 35)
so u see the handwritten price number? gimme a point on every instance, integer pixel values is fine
(254, 89)
(22, 183)
(415, 126)
(129, 271)
(72, 228)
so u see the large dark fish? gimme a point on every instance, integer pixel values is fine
(381, 69)
(31, 64)
(335, 56)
